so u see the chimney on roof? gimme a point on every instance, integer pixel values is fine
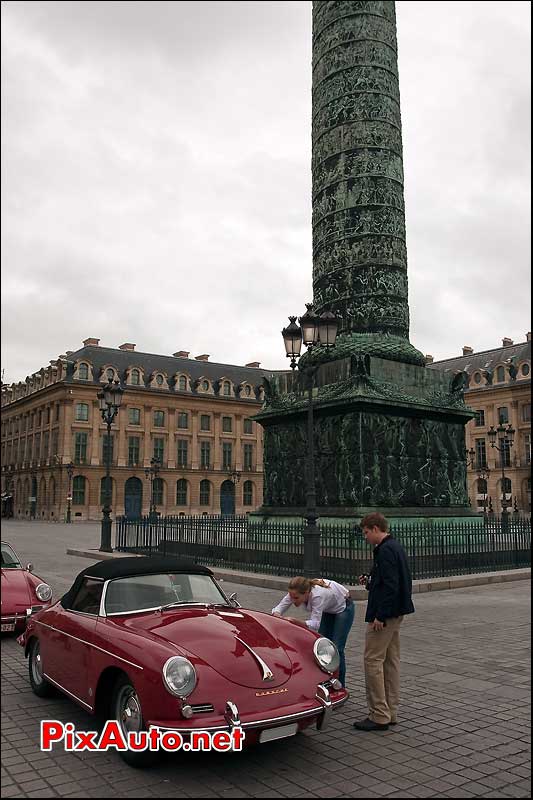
(127, 346)
(253, 364)
(203, 357)
(467, 350)
(507, 342)
(91, 342)
(69, 352)
(429, 359)
(181, 354)
(528, 336)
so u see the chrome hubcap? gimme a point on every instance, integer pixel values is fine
(37, 664)
(129, 710)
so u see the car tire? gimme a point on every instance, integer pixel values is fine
(40, 686)
(125, 704)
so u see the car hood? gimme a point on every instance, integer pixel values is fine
(236, 643)
(15, 590)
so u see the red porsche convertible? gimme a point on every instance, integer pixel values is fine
(156, 643)
(23, 593)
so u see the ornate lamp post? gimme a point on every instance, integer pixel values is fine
(313, 331)
(70, 472)
(109, 400)
(505, 435)
(483, 475)
(152, 472)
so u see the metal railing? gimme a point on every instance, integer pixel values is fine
(276, 548)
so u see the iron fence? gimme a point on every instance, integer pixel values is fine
(276, 548)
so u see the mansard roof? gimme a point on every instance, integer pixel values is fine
(485, 359)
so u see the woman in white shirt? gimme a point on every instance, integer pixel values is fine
(330, 607)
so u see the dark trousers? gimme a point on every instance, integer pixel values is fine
(337, 627)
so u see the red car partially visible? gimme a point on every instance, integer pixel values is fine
(23, 593)
(156, 643)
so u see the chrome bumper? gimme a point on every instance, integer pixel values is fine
(232, 716)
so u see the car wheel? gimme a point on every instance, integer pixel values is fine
(39, 684)
(126, 709)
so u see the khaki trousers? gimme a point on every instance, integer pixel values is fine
(382, 671)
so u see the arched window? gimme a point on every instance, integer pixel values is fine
(158, 491)
(83, 372)
(226, 388)
(181, 492)
(159, 379)
(205, 493)
(500, 375)
(135, 377)
(78, 491)
(507, 486)
(182, 383)
(525, 369)
(248, 493)
(481, 486)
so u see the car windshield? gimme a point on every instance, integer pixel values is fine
(10, 560)
(145, 592)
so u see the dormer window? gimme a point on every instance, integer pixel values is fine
(135, 377)
(159, 380)
(182, 383)
(226, 389)
(500, 375)
(524, 369)
(110, 374)
(83, 372)
(205, 386)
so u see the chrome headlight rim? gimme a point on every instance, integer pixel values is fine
(189, 686)
(334, 663)
(43, 592)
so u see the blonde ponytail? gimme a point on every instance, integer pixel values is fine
(303, 585)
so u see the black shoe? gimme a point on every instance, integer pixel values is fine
(369, 725)
(394, 723)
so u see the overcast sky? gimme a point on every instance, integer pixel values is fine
(156, 181)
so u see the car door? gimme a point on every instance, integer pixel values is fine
(73, 640)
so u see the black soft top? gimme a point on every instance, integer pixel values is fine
(129, 567)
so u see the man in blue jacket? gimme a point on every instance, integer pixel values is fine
(389, 599)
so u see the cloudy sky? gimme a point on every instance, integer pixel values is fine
(156, 183)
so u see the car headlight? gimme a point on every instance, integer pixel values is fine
(326, 655)
(179, 676)
(44, 592)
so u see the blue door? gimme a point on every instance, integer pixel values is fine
(133, 498)
(227, 498)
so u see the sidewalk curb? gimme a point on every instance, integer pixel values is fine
(280, 583)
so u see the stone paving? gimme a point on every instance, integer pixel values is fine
(464, 727)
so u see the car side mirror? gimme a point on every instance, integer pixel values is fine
(233, 600)
(29, 567)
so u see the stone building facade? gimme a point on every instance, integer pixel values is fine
(498, 389)
(190, 413)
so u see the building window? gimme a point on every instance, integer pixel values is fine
(206, 386)
(83, 372)
(248, 456)
(55, 443)
(107, 448)
(226, 389)
(479, 419)
(227, 450)
(46, 444)
(134, 416)
(205, 455)
(57, 413)
(135, 377)
(159, 449)
(505, 453)
(157, 490)
(205, 422)
(37, 447)
(481, 454)
(182, 383)
(181, 492)
(527, 448)
(48, 416)
(80, 448)
(183, 419)
(78, 491)
(182, 452)
(159, 380)
(248, 493)
(248, 425)
(39, 418)
(526, 412)
(525, 369)
(481, 486)
(227, 424)
(477, 377)
(159, 419)
(503, 415)
(82, 412)
(110, 374)
(133, 451)
(500, 375)
(507, 486)
(205, 493)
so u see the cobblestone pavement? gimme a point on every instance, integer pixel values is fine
(464, 727)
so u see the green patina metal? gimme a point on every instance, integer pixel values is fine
(389, 433)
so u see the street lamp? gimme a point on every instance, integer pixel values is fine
(505, 435)
(70, 472)
(470, 457)
(313, 331)
(152, 472)
(483, 475)
(109, 400)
